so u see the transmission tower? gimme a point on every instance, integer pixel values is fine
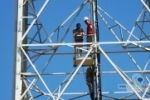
(46, 66)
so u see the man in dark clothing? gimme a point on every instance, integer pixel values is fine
(78, 34)
(89, 81)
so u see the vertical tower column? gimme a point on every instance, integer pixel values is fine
(97, 78)
(148, 2)
(19, 66)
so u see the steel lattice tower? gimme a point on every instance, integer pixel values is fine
(41, 75)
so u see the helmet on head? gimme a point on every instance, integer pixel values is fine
(86, 18)
(78, 24)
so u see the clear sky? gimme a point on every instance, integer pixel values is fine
(7, 10)
(124, 11)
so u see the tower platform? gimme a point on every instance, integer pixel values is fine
(88, 62)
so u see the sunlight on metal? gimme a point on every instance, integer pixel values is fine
(30, 79)
(135, 24)
(102, 72)
(78, 9)
(146, 65)
(27, 89)
(134, 61)
(38, 73)
(84, 43)
(145, 5)
(115, 22)
(77, 69)
(38, 14)
(119, 72)
(29, 92)
(38, 20)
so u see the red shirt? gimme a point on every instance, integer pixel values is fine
(90, 29)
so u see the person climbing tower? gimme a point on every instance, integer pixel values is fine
(89, 81)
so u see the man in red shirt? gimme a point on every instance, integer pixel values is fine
(90, 29)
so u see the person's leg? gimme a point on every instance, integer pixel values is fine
(89, 39)
(79, 51)
(77, 48)
(80, 48)
(89, 81)
(92, 95)
(90, 86)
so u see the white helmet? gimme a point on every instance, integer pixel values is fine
(86, 18)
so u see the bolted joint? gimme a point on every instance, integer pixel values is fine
(96, 22)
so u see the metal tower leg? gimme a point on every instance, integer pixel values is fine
(97, 82)
(21, 25)
(35, 49)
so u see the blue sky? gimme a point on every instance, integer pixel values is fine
(7, 10)
(124, 11)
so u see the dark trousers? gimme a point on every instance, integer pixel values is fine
(90, 86)
(89, 38)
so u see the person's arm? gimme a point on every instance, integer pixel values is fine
(90, 25)
(83, 33)
(74, 31)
